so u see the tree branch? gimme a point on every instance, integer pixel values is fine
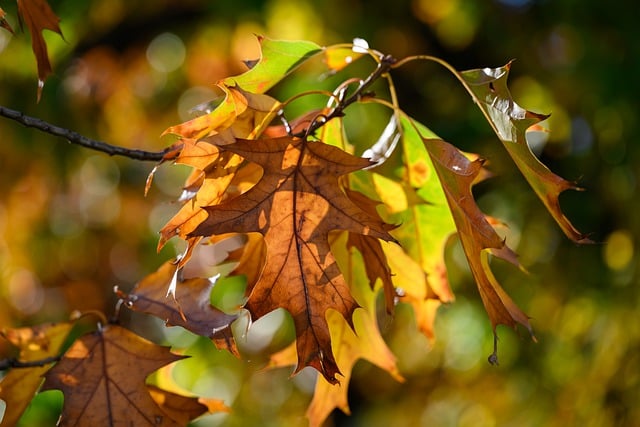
(15, 363)
(384, 66)
(78, 139)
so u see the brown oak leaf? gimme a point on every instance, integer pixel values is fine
(190, 309)
(457, 174)
(102, 377)
(295, 205)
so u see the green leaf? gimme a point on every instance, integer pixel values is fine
(278, 59)
(419, 205)
(510, 122)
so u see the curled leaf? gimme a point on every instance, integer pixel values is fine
(457, 174)
(510, 123)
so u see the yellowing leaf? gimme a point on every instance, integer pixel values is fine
(510, 122)
(295, 205)
(103, 376)
(38, 16)
(242, 114)
(411, 282)
(18, 387)
(220, 179)
(363, 342)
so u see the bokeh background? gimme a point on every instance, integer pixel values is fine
(74, 223)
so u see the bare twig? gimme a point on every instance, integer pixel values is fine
(15, 363)
(76, 138)
(385, 64)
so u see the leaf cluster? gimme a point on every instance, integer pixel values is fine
(319, 231)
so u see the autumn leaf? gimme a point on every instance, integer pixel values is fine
(374, 257)
(457, 174)
(350, 345)
(183, 409)
(510, 123)
(220, 181)
(295, 205)
(418, 203)
(278, 59)
(190, 309)
(102, 377)
(18, 386)
(241, 114)
(215, 175)
(38, 16)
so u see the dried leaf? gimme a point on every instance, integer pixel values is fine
(364, 342)
(240, 115)
(457, 174)
(295, 205)
(190, 309)
(510, 122)
(38, 16)
(18, 386)
(103, 376)
(183, 409)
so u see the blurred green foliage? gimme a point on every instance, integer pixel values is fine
(74, 223)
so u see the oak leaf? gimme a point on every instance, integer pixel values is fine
(295, 205)
(102, 377)
(190, 309)
(38, 16)
(457, 174)
(510, 123)
(18, 386)
(350, 345)
(183, 409)
(278, 58)
(240, 115)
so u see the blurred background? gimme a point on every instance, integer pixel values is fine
(74, 223)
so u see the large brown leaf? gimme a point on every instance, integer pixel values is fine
(18, 387)
(457, 174)
(103, 377)
(38, 16)
(295, 205)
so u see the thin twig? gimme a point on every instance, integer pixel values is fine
(76, 138)
(15, 363)
(385, 64)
